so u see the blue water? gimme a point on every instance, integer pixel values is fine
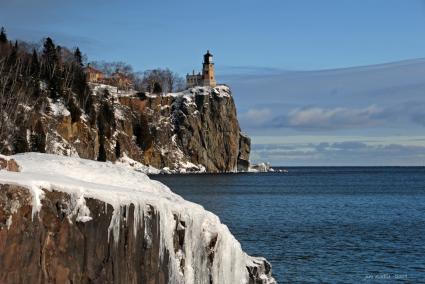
(315, 225)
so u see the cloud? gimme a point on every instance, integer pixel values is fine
(317, 118)
(329, 118)
(349, 153)
(256, 117)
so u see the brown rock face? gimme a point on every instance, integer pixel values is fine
(9, 165)
(201, 129)
(192, 131)
(244, 151)
(54, 246)
(51, 248)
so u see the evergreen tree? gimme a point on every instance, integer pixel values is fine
(38, 138)
(157, 89)
(35, 65)
(50, 52)
(3, 36)
(51, 70)
(59, 54)
(78, 57)
(13, 56)
(20, 144)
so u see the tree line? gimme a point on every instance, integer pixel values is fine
(152, 81)
(28, 79)
(34, 76)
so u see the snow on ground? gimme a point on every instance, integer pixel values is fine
(137, 166)
(181, 167)
(120, 186)
(113, 91)
(220, 91)
(58, 108)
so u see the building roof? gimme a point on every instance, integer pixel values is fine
(90, 69)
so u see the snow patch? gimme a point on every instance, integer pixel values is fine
(137, 166)
(58, 108)
(120, 187)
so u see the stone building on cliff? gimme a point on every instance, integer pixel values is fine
(207, 78)
(94, 75)
(118, 79)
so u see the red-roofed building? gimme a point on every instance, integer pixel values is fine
(94, 75)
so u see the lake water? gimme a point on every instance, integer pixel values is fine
(335, 225)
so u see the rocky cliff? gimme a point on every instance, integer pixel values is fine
(195, 130)
(68, 220)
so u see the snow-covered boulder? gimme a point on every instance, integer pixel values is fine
(260, 168)
(66, 219)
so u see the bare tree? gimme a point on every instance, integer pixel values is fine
(168, 80)
(13, 99)
(111, 67)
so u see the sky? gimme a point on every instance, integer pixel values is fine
(330, 82)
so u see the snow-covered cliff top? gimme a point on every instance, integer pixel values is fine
(120, 186)
(113, 184)
(219, 90)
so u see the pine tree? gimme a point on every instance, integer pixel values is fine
(38, 139)
(50, 52)
(157, 89)
(51, 70)
(35, 65)
(80, 81)
(78, 57)
(59, 54)
(3, 36)
(20, 144)
(13, 56)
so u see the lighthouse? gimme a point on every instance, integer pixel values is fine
(207, 78)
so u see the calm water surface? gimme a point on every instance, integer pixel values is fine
(315, 225)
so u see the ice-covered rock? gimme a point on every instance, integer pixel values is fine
(66, 219)
(260, 168)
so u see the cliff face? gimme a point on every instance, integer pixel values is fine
(112, 225)
(196, 130)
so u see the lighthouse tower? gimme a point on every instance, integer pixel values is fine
(208, 76)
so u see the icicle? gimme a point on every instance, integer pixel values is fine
(115, 224)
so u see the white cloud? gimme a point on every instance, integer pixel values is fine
(329, 118)
(256, 117)
(349, 153)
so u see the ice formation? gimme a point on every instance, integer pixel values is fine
(120, 186)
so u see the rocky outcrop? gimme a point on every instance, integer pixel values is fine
(54, 247)
(8, 165)
(244, 151)
(74, 237)
(196, 130)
